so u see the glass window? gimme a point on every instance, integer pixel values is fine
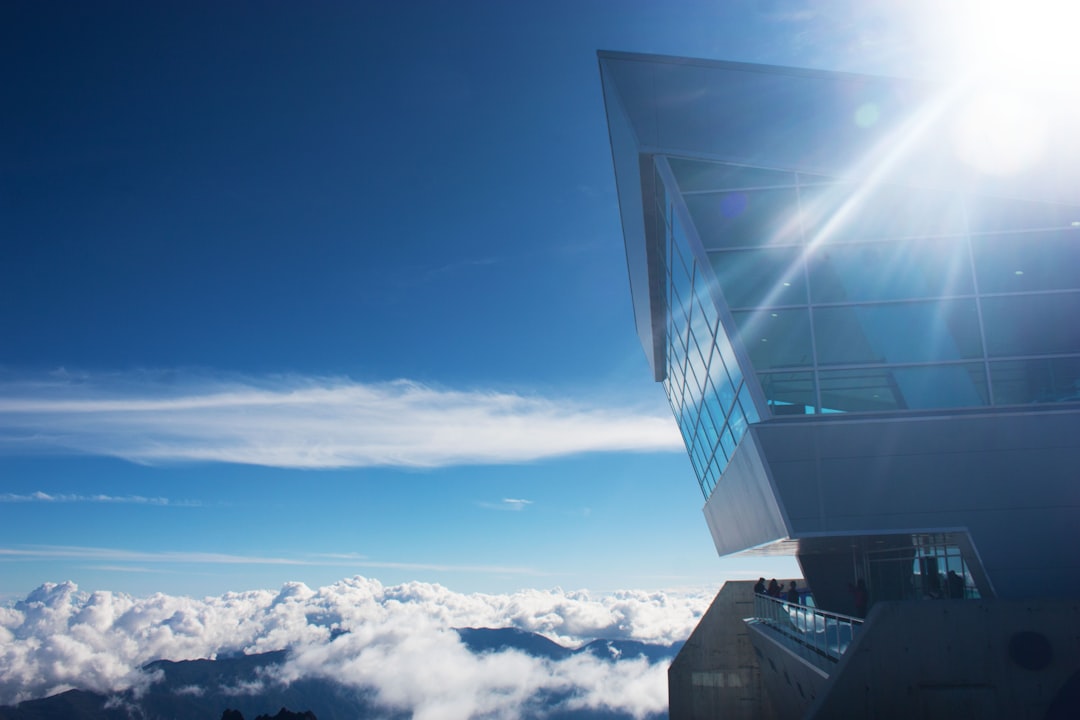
(699, 461)
(889, 270)
(789, 393)
(712, 474)
(709, 424)
(697, 175)
(749, 218)
(990, 214)
(737, 423)
(1032, 324)
(720, 399)
(727, 354)
(747, 403)
(856, 213)
(685, 431)
(1028, 261)
(677, 344)
(763, 277)
(775, 338)
(1046, 380)
(897, 332)
(680, 287)
(695, 375)
(727, 442)
(904, 388)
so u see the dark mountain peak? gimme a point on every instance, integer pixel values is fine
(283, 714)
(483, 640)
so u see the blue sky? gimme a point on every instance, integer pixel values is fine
(297, 292)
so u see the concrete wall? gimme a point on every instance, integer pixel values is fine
(959, 659)
(716, 674)
(791, 682)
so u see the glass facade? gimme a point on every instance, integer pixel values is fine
(847, 298)
(704, 382)
(933, 567)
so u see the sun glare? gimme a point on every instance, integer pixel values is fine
(1028, 42)
(1020, 63)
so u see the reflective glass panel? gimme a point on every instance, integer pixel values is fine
(889, 270)
(727, 443)
(722, 395)
(737, 422)
(680, 283)
(707, 309)
(904, 388)
(1045, 380)
(697, 175)
(856, 213)
(775, 338)
(763, 277)
(789, 393)
(990, 214)
(727, 354)
(1028, 261)
(747, 403)
(1032, 324)
(897, 332)
(712, 474)
(745, 218)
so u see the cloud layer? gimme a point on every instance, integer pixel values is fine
(312, 422)
(357, 632)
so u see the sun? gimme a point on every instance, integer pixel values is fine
(1019, 70)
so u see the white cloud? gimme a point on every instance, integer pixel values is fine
(313, 422)
(118, 555)
(44, 497)
(515, 504)
(59, 637)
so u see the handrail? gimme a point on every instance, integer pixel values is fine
(827, 633)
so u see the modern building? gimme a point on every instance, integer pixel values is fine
(862, 297)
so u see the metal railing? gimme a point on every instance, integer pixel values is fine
(828, 634)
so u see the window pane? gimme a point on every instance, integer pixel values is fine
(747, 404)
(709, 424)
(723, 347)
(737, 423)
(1049, 380)
(775, 338)
(696, 175)
(990, 214)
(789, 393)
(904, 388)
(897, 333)
(1032, 324)
(890, 271)
(680, 285)
(754, 278)
(1028, 261)
(745, 219)
(713, 472)
(851, 213)
(727, 443)
(722, 396)
(707, 308)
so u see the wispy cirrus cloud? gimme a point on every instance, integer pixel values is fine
(153, 561)
(43, 497)
(515, 504)
(304, 422)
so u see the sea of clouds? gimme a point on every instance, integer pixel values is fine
(357, 632)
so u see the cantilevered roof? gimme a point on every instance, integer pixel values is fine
(849, 126)
(980, 139)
